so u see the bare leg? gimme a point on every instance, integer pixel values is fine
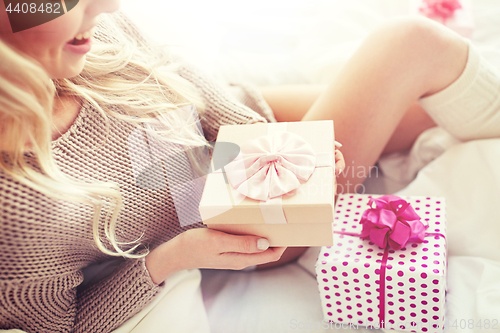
(291, 103)
(414, 122)
(396, 65)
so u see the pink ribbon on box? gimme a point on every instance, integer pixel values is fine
(390, 222)
(440, 8)
(273, 165)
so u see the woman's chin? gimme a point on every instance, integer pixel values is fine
(69, 70)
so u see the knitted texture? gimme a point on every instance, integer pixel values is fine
(469, 107)
(45, 243)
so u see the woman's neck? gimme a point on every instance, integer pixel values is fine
(66, 110)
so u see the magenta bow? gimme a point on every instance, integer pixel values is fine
(440, 8)
(271, 165)
(392, 221)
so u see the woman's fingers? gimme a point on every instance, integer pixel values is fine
(339, 159)
(240, 251)
(242, 260)
(242, 243)
(208, 248)
(339, 162)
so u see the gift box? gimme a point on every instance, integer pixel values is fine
(455, 14)
(281, 185)
(397, 286)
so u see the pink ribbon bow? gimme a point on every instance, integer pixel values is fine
(271, 166)
(392, 221)
(440, 8)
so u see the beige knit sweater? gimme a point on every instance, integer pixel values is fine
(45, 243)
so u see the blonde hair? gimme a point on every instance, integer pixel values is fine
(120, 71)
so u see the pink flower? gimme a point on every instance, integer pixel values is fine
(392, 221)
(440, 8)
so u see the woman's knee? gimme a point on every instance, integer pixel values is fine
(417, 34)
(428, 48)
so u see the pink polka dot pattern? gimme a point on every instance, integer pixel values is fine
(348, 272)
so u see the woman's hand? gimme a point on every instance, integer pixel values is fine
(208, 248)
(339, 159)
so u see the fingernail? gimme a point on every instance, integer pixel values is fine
(339, 171)
(338, 144)
(262, 244)
(250, 268)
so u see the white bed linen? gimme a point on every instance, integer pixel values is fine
(177, 308)
(468, 175)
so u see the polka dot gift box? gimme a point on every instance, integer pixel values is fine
(387, 267)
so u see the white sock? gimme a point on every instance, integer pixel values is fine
(470, 107)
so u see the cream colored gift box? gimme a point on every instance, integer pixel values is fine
(308, 210)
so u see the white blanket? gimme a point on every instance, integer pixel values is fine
(468, 175)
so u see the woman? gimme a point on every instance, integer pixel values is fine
(57, 223)
(70, 193)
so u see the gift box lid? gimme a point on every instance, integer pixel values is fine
(312, 202)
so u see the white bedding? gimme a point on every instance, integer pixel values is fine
(276, 42)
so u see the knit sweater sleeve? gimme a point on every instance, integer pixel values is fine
(107, 304)
(221, 107)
